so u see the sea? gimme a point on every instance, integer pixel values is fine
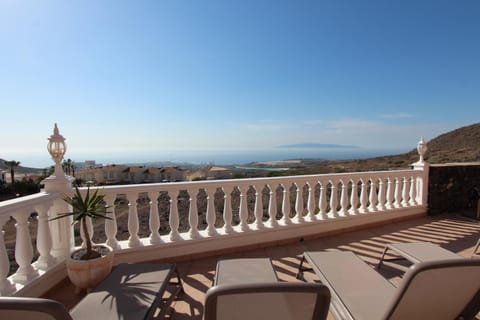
(217, 157)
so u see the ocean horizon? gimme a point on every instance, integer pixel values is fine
(218, 157)
(241, 157)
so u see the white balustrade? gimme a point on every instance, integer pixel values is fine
(328, 198)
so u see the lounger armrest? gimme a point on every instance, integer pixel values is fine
(50, 307)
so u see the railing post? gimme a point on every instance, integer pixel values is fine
(405, 192)
(193, 214)
(373, 197)
(272, 207)
(311, 202)
(422, 165)
(227, 209)
(23, 250)
(6, 287)
(133, 227)
(389, 195)
(413, 191)
(322, 200)
(298, 204)
(174, 220)
(61, 230)
(111, 224)
(258, 211)
(286, 207)
(343, 199)
(243, 209)
(354, 199)
(381, 194)
(363, 197)
(154, 219)
(44, 239)
(211, 217)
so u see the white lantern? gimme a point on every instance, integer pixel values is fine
(57, 148)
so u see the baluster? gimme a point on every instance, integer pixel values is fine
(405, 192)
(373, 196)
(44, 239)
(154, 219)
(193, 215)
(133, 240)
(333, 200)
(398, 194)
(363, 197)
(210, 213)
(23, 250)
(272, 208)
(6, 287)
(286, 206)
(173, 220)
(227, 209)
(311, 202)
(354, 199)
(381, 195)
(390, 191)
(413, 192)
(322, 201)
(111, 224)
(258, 212)
(298, 204)
(243, 210)
(343, 200)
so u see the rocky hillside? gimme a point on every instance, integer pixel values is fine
(20, 168)
(460, 145)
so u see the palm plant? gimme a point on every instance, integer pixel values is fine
(12, 165)
(92, 206)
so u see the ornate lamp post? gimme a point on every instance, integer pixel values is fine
(422, 149)
(61, 230)
(57, 148)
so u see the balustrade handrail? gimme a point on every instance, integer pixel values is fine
(165, 186)
(8, 207)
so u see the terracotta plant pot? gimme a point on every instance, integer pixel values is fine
(86, 274)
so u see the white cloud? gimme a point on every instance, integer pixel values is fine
(397, 116)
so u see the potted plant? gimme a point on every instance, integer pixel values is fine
(86, 267)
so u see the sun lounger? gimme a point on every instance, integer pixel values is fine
(441, 289)
(475, 250)
(415, 252)
(131, 291)
(20, 308)
(249, 289)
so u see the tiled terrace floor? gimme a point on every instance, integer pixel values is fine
(453, 232)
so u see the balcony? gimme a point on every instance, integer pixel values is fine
(452, 232)
(194, 223)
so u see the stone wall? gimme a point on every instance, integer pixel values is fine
(454, 188)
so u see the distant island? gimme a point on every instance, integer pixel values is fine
(317, 146)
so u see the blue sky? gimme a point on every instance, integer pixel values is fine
(159, 79)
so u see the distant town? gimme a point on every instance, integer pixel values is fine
(16, 180)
